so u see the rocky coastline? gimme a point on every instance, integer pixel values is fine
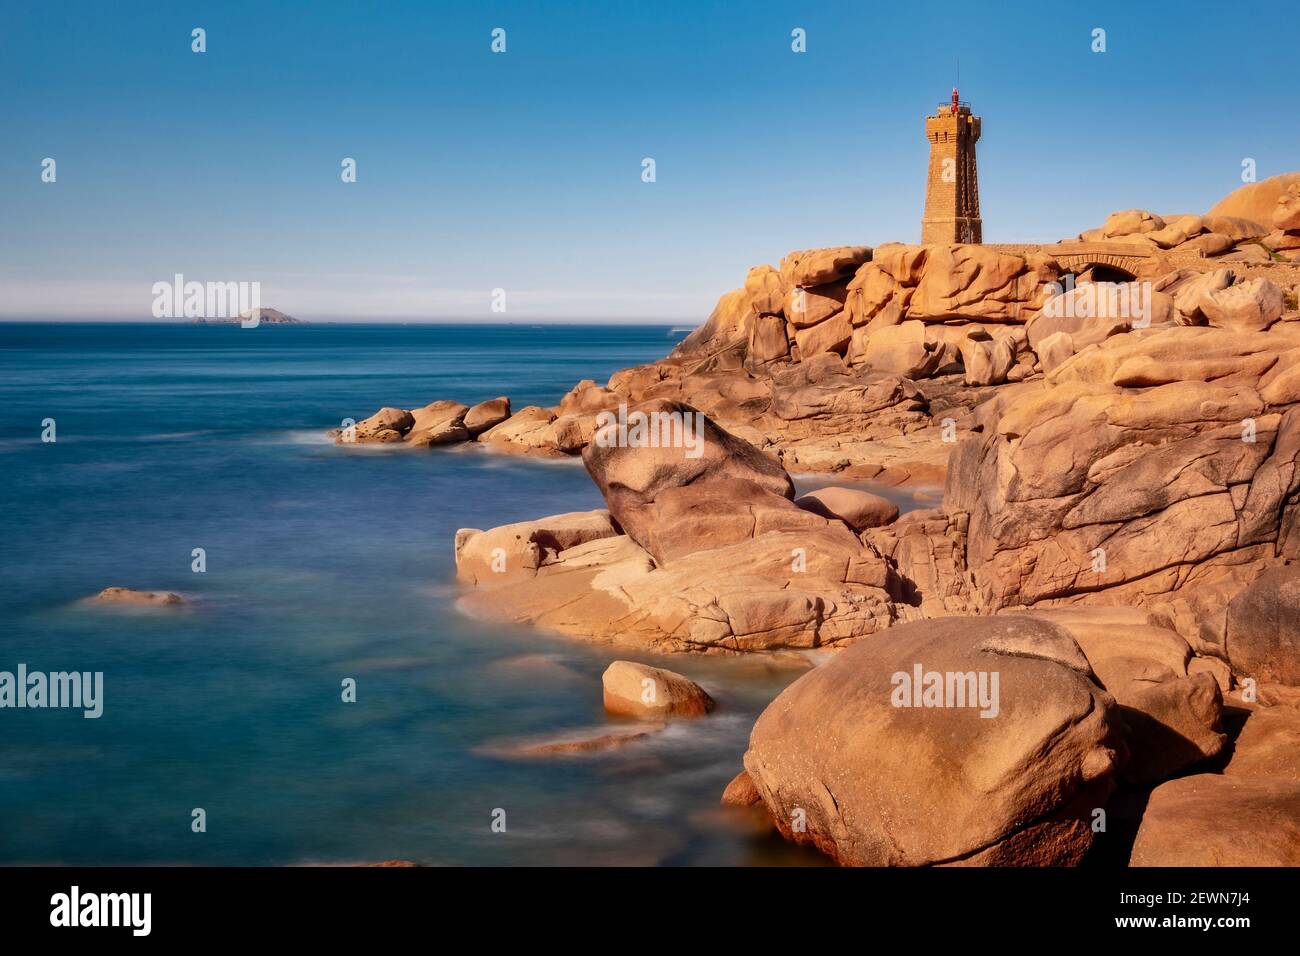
(1114, 423)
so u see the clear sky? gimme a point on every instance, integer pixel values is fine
(522, 170)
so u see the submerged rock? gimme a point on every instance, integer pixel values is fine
(133, 598)
(573, 743)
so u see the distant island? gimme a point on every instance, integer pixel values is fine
(264, 316)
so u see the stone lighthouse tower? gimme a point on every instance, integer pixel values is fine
(952, 196)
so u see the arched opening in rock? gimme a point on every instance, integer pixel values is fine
(1105, 273)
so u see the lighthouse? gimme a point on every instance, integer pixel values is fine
(952, 197)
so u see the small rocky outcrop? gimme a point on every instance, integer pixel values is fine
(131, 598)
(439, 423)
(1235, 230)
(642, 691)
(697, 553)
(518, 550)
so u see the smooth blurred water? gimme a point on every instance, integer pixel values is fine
(323, 562)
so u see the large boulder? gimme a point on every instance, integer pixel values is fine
(438, 423)
(1249, 253)
(632, 467)
(1213, 820)
(1255, 201)
(1286, 214)
(1206, 244)
(815, 267)
(1263, 628)
(486, 415)
(766, 290)
(856, 761)
(528, 431)
(385, 426)
(1177, 231)
(1129, 222)
(858, 509)
(704, 515)
(1191, 295)
(1250, 306)
(1238, 229)
(896, 350)
(1173, 720)
(979, 283)
(1283, 242)
(830, 335)
(768, 341)
(807, 307)
(1129, 649)
(1094, 311)
(1188, 358)
(1054, 349)
(1172, 725)
(987, 363)
(1268, 746)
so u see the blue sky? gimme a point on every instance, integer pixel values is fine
(522, 170)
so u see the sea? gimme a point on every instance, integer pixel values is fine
(225, 738)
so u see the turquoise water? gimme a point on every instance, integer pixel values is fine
(323, 562)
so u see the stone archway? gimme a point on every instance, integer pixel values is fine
(1109, 261)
